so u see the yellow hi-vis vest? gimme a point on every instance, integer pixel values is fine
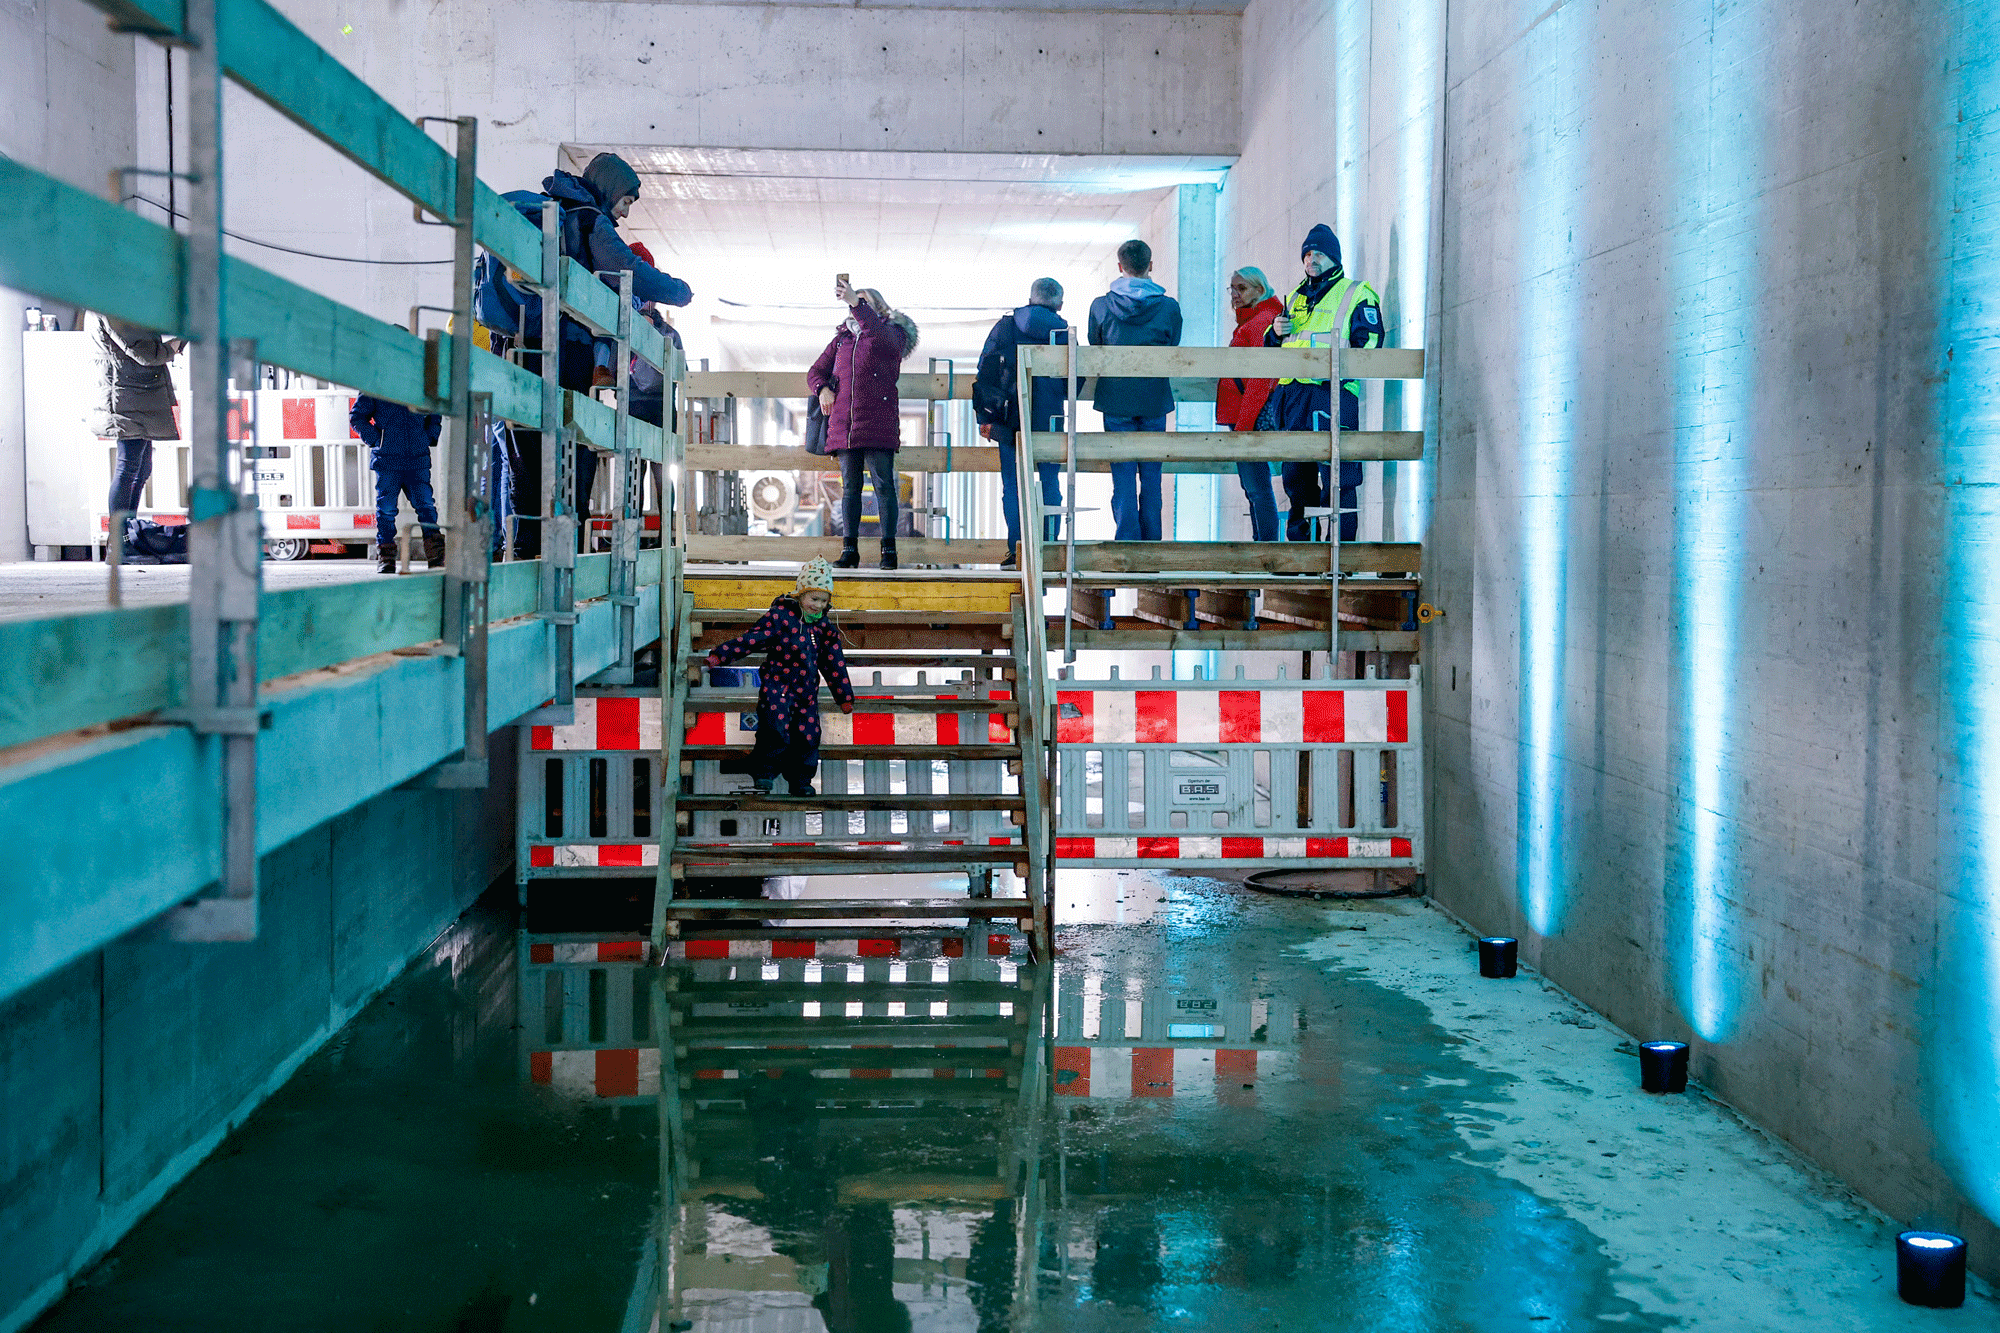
(1325, 325)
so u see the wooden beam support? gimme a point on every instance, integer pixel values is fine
(792, 384)
(1239, 640)
(1250, 363)
(1190, 446)
(912, 551)
(1195, 558)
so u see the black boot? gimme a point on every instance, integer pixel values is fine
(888, 553)
(434, 548)
(850, 556)
(1013, 560)
(385, 558)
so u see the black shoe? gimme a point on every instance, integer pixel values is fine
(850, 558)
(888, 555)
(762, 786)
(1013, 560)
(794, 789)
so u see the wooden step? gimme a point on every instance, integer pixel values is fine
(907, 1057)
(910, 551)
(922, 638)
(842, 992)
(744, 701)
(917, 753)
(845, 909)
(832, 1032)
(751, 803)
(730, 615)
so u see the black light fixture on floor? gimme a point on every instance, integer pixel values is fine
(1663, 1066)
(1499, 956)
(1930, 1269)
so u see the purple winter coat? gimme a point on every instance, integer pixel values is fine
(862, 371)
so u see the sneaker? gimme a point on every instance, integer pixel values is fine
(1013, 560)
(797, 790)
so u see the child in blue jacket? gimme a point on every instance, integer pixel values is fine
(801, 645)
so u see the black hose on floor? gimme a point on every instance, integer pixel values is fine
(1258, 880)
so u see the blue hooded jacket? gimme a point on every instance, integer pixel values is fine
(397, 438)
(996, 397)
(1136, 312)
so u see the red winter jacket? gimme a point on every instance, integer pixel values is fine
(862, 371)
(1237, 402)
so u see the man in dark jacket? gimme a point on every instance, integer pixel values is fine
(594, 204)
(399, 443)
(1136, 312)
(996, 403)
(135, 402)
(1326, 309)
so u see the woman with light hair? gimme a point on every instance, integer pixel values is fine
(855, 378)
(1237, 401)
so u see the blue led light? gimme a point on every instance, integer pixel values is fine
(1718, 293)
(1550, 210)
(1966, 1049)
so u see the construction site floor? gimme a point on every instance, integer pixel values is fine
(31, 588)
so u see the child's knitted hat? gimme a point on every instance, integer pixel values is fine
(816, 573)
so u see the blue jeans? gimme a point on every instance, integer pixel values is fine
(1256, 479)
(1135, 487)
(1010, 490)
(135, 468)
(391, 484)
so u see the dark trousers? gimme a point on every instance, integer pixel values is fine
(576, 367)
(880, 465)
(129, 478)
(1300, 406)
(391, 484)
(1135, 487)
(793, 757)
(1010, 490)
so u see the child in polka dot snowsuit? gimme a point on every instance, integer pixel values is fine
(800, 645)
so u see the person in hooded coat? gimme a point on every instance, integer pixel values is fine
(1326, 306)
(1238, 402)
(996, 403)
(1136, 312)
(594, 204)
(135, 402)
(855, 378)
(399, 453)
(801, 644)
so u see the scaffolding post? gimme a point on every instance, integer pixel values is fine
(625, 488)
(225, 534)
(556, 602)
(1333, 503)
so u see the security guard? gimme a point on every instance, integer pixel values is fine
(1327, 305)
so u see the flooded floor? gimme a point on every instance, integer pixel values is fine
(1215, 1111)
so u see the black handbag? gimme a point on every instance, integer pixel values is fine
(815, 427)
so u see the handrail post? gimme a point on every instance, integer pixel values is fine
(1069, 501)
(625, 497)
(225, 533)
(556, 602)
(1333, 509)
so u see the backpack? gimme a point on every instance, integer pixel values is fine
(504, 305)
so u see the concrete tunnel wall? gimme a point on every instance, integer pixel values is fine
(126, 1068)
(1701, 508)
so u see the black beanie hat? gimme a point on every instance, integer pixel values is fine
(1322, 239)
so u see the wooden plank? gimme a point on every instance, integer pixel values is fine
(834, 909)
(729, 615)
(911, 551)
(158, 18)
(851, 595)
(733, 701)
(1194, 558)
(920, 753)
(792, 384)
(1250, 363)
(786, 458)
(749, 801)
(1240, 640)
(1272, 446)
(883, 637)
(595, 302)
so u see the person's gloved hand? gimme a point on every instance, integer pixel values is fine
(847, 708)
(711, 661)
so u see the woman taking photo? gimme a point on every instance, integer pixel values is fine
(855, 378)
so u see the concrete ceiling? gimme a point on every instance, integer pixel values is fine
(952, 239)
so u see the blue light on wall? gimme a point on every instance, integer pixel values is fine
(1717, 291)
(1549, 210)
(1965, 1047)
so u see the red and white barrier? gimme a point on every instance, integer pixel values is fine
(1232, 717)
(571, 854)
(1121, 1072)
(1229, 849)
(632, 1072)
(605, 722)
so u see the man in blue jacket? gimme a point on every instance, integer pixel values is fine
(399, 443)
(1136, 312)
(996, 403)
(593, 206)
